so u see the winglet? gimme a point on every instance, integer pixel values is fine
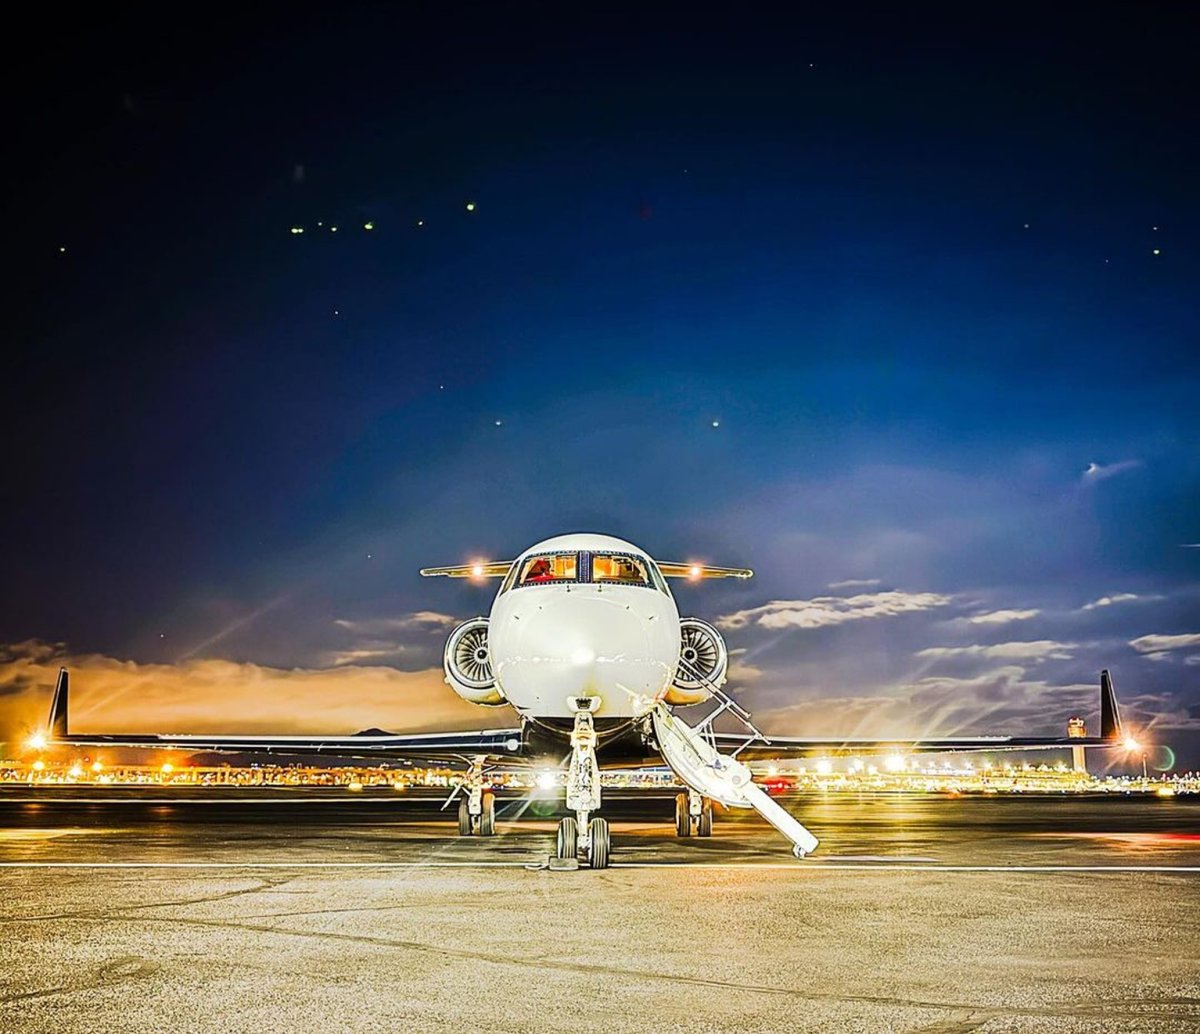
(56, 727)
(1110, 717)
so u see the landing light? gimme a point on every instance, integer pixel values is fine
(1131, 744)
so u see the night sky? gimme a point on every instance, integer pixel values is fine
(897, 306)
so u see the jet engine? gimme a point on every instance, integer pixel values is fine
(469, 665)
(703, 663)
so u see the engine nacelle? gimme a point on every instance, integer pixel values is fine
(468, 664)
(703, 663)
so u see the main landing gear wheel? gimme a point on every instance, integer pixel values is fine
(704, 822)
(598, 856)
(566, 845)
(487, 819)
(683, 820)
(464, 819)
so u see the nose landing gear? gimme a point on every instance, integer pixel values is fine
(578, 835)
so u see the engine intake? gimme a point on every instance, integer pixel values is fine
(703, 663)
(468, 664)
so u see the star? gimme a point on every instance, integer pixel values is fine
(716, 423)
(337, 312)
(1027, 226)
(420, 222)
(1157, 251)
(333, 229)
(368, 226)
(499, 423)
(299, 229)
(470, 206)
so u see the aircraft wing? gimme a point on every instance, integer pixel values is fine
(783, 747)
(375, 744)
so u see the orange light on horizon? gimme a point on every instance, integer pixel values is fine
(695, 571)
(167, 768)
(37, 741)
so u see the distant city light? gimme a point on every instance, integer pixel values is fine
(96, 766)
(824, 766)
(37, 741)
(39, 765)
(75, 771)
(167, 768)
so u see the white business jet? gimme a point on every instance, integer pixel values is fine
(585, 643)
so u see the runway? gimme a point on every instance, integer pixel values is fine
(275, 909)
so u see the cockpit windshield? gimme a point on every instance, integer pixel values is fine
(620, 568)
(549, 567)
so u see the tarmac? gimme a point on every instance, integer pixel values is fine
(272, 909)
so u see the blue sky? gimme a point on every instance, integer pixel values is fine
(923, 273)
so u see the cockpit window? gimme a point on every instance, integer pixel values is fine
(549, 567)
(620, 568)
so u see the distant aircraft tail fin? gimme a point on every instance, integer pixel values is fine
(1110, 716)
(56, 728)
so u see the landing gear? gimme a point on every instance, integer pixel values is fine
(583, 785)
(464, 819)
(477, 809)
(487, 816)
(691, 808)
(567, 843)
(704, 822)
(598, 835)
(683, 820)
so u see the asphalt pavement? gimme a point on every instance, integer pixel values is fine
(204, 909)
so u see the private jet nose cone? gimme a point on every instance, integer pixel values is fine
(583, 644)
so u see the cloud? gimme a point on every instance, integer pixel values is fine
(1036, 650)
(213, 696)
(991, 702)
(1001, 617)
(1101, 471)
(1157, 644)
(421, 620)
(854, 583)
(831, 610)
(1120, 597)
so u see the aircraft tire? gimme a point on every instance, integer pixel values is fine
(704, 823)
(487, 820)
(464, 819)
(598, 857)
(683, 821)
(566, 844)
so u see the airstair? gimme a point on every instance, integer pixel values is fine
(692, 753)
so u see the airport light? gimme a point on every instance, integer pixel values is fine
(37, 741)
